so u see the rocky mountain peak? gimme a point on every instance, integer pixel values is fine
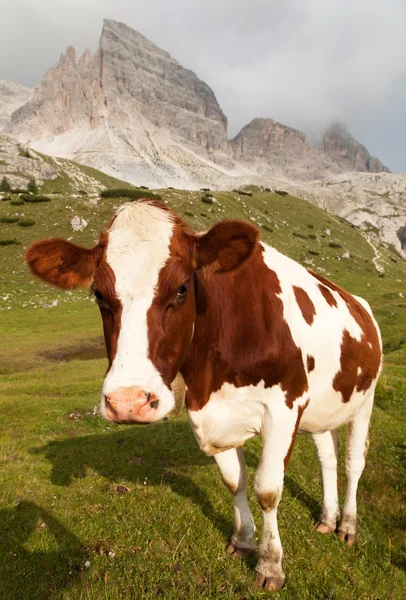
(282, 149)
(348, 153)
(12, 96)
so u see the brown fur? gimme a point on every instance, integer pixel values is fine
(268, 500)
(310, 363)
(355, 353)
(240, 335)
(328, 296)
(305, 304)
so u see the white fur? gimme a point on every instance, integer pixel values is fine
(137, 250)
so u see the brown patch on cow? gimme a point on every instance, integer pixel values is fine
(268, 500)
(310, 363)
(360, 360)
(305, 304)
(241, 336)
(300, 412)
(328, 296)
(359, 364)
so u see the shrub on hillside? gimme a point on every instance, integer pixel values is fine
(5, 185)
(24, 153)
(32, 186)
(131, 193)
(26, 222)
(17, 202)
(6, 199)
(9, 219)
(267, 228)
(335, 245)
(9, 242)
(34, 198)
(207, 199)
(243, 193)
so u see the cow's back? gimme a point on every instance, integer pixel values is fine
(338, 337)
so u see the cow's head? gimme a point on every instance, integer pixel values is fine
(142, 275)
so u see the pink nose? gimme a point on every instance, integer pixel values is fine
(131, 405)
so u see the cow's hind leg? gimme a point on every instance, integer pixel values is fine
(234, 473)
(357, 447)
(327, 451)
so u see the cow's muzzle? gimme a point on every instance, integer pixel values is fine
(131, 405)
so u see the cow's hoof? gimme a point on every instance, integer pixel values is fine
(269, 584)
(325, 527)
(237, 552)
(345, 536)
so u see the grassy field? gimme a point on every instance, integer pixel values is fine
(92, 511)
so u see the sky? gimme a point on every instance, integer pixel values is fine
(304, 63)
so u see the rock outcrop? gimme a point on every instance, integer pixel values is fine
(272, 147)
(12, 96)
(349, 154)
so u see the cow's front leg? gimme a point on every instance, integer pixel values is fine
(234, 473)
(279, 431)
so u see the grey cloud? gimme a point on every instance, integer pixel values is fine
(302, 63)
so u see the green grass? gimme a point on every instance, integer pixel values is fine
(61, 465)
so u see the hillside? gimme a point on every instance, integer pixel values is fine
(297, 228)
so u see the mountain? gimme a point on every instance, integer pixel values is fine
(133, 111)
(12, 96)
(130, 110)
(273, 148)
(349, 154)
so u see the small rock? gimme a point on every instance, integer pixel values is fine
(78, 224)
(346, 254)
(75, 415)
(87, 564)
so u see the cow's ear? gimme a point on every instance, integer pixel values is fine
(61, 263)
(226, 245)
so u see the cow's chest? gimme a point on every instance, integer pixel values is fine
(231, 416)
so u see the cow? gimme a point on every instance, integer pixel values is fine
(264, 346)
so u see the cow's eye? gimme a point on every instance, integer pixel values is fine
(182, 291)
(99, 297)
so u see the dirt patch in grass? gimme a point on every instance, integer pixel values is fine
(93, 351)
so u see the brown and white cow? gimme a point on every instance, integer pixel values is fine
(264, 346)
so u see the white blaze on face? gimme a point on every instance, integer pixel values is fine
(137, 249)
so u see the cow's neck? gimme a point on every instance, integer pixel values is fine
(232, 316)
